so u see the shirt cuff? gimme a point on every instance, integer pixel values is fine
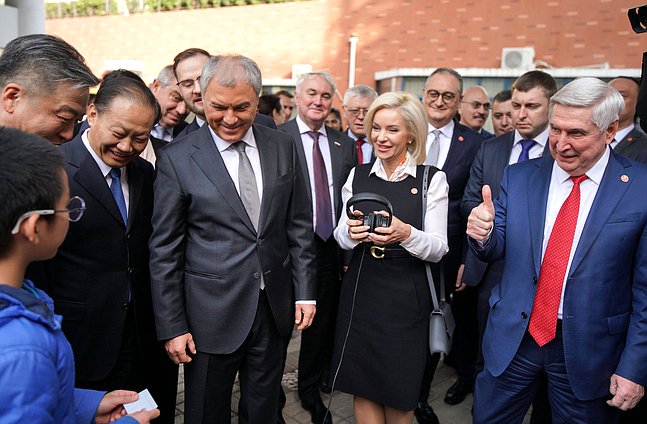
(482, 244)
(305, 302)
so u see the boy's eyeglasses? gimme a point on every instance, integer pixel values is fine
(75, 209)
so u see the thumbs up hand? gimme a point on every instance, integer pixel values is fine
(481, 219)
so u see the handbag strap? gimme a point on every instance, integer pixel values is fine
(430, 278)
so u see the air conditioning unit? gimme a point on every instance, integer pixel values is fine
(517, 57)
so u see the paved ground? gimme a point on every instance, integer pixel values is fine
(342, 404)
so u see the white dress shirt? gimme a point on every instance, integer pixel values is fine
(105, 170)
(445, 138)
(308, 144)
(428, 245)
(230, 158)
(535, 151)
(559, 189)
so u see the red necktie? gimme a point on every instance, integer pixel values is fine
(323, 207)
(360, 155)
(543, 319)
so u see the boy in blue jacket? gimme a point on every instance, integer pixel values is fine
(36, 361)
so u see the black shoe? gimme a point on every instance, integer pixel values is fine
(318, 412)
(425, 414)
(458, 391)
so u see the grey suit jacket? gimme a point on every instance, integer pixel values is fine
(342, 154)
(206, 257)
(633, 144)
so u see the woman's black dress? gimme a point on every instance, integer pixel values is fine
(389, 300)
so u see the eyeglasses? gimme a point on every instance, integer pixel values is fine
(75, 209)
(447, 96)
(356, 112)
(478, 105)
(188, 84)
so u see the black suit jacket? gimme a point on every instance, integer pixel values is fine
(100, 262)
(462, 150)
(342, 155)
(491, 159)
(633, 144)
(206, 257)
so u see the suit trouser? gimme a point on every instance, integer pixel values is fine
(132, 371)
(317, 341)
(209, 378)
(505, 399)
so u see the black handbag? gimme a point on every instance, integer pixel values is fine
(441, 319)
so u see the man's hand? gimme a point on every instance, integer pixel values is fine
(460, 286)
(177, 348)
(111, 406)
(397, 232)
(481, 219)
(145, 417)
(626, 393)
(303, 315)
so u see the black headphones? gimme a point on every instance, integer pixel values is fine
(373, 220)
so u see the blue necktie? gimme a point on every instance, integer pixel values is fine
(526, 145)
(118, 194)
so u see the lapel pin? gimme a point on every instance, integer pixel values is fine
(460, 138)
(630, 139)
(337, 144)
(624, 178)
(414, 191)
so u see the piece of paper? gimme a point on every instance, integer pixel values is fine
(145, 401)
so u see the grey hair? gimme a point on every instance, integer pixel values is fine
(42, 62)
(361, 91)
(229, 70)
(451, 72)
(325, 75)
(605, 101)
(166, 76)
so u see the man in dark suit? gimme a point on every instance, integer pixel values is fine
(232, 255)
(451, 147)
(531, 93)
(100, 279)
(173, 108)
(630, 141)
(44, 85)
(357, 100)
(187, 66)
(475, 109)
(565, 307)
(336, 152)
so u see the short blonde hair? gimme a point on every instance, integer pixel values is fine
(414, 115)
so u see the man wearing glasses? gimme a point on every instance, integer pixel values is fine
(357, 100)
(475, 109)
(187, 66)
(451, 147)
(172, 105)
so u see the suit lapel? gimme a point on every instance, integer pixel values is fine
(268, 153)
(89, 176)
(336, 158)
(609, 194)
(135, 184)
(538, 183)
(208, 158)
(296, 135)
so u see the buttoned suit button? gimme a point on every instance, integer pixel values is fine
(524, 315)
(257, 275)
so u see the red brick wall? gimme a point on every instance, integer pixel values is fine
(392, 34)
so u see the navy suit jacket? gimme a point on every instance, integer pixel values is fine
(488, 166)
(633, 144)
(100, 262)
(605, 300)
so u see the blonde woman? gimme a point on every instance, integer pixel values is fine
(382, 326)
